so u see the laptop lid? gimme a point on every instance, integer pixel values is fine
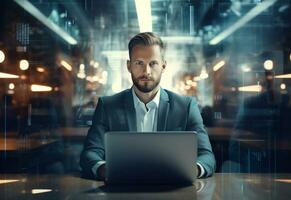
(151, 157)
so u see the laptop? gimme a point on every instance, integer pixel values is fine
(150, 157)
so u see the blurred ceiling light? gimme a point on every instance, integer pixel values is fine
(268, 65)
(283, 180)
(197, 78)
(11, 86)
(189, 82)
(203, 74)
(6, 75)
(4, 181)
(181, 85)
(10, 91)
(259, 8)
(23, 64)
(250, 88)
(96, 65)
(81, 75)
(40, 88)
(95, 78)
(182, 39)
(105, 74)
(23, 77)
(38, 191)
(2, 56)
(30, 8)
(63, 15)
(194, 84)
(102, 81)
(219, 65)
(283, 76)
(245, 68)
(40, 69)
(187, 87)
(82, 67)
(144, 15)
(283, 86)
(66, 65)
(290, 57)
(92, 62)
(89, 78)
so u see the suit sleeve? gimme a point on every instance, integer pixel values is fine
(93, 150)
(205, 155)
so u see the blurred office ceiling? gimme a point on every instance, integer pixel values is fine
(100, 21)
(211, 29)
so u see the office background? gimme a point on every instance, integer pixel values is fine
(57, 57)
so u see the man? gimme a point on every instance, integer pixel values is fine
(145, 107)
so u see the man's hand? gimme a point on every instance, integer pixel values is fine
(101, 172)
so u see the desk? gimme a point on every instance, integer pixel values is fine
(220, 186)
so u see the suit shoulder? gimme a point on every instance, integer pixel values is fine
(180, 98)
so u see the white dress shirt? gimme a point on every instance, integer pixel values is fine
(146, 114)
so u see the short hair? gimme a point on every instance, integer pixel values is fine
(147, 39)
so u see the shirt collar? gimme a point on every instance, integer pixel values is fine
(155, 100)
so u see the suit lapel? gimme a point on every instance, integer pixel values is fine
(163, 111)
(129, 110)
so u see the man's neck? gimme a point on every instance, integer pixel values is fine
(146, 97)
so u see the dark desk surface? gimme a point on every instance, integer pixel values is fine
(220, 186)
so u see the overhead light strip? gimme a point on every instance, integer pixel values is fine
(66, 65)
(4, 181)
(39, 191)
(250, 88)
(144, 15)
(283, 76)
(242, 21)
(6, 75)
(40, 88)
(30, 8)
(219, 65)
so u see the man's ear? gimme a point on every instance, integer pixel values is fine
(164, 66)
(128, 66)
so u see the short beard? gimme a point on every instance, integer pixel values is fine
(145, 88)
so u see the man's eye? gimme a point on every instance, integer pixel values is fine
(139, 63)
(153, 63)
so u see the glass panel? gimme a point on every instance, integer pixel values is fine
(57, 58)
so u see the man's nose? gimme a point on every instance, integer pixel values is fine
(147, 69)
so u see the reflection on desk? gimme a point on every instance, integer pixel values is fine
(220, 186)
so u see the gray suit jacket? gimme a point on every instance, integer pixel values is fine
(117, 113)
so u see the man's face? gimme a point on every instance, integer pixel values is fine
(146, 67)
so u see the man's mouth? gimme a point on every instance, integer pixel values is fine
(145, 79)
